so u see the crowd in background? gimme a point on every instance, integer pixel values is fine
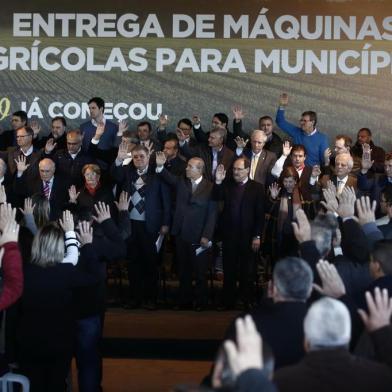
(314, 213)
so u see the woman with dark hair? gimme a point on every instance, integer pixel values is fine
(284, 200)
(45, 327)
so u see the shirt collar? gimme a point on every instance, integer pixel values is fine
(75, 154)
(312, 133)
(96, 124)
(198, 181)
(28, 152)
(50, 182)
(344, 180)
(142, 172)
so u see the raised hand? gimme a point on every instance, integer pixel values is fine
(287, 148)
(160, 158)
(149, 146)
(248, 352)
(122, 127)
(100, 130)
(283, 99)
(302, 229)
(238, 113)
(122, 151)
(316, 171)
(67, 223)
(274, 190)
(34, 125)
(379, 310)
(331, 283)
(181, 135)
(103, 212)
(331, 186)
(240, 142)
(21, 165)
(123, 201)
(366, 210)
(85, 235)
(366, 162)
(196, 119)
(50, 146)
(220, 174)
(331, 202)
(347, 200)
(327, 156)
(163, 121)
(28, 207)
(9, 232)
(73, 195)
(7, 214)
(3, 195)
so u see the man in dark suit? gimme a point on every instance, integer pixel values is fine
(47, 184)
(193, 226)
(57, 133)
(149, 213)
(373, 183)
(328, 365)
(261, 160)
(213, 154)
(242, 226)
(8, 137)
(144, 134)
(174, 163)
(70, 161)
(292, 284)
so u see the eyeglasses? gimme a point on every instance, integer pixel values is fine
(21, 136)
(183, 129)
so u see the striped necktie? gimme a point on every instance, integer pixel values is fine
(47, 189)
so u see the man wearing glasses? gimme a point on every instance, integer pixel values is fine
(306, 134)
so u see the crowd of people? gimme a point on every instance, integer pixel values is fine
(314, 214)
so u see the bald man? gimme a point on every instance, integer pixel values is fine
(46, 183)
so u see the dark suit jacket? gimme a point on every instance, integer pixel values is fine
(334, 370)
(251, 210)
(202, 137)
(265, 164)
(195, 214)
(58, 195)
(61, 141)
(372, 184)
(386, 230)
(176, 166)
(157, 195)
(70, 169)
(281, 326)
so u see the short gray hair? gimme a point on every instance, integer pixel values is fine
(323, 229)
(293, 278)
(327, 324)
(347, 157)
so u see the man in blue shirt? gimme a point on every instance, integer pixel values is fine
(109, 138)
(307, 134)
